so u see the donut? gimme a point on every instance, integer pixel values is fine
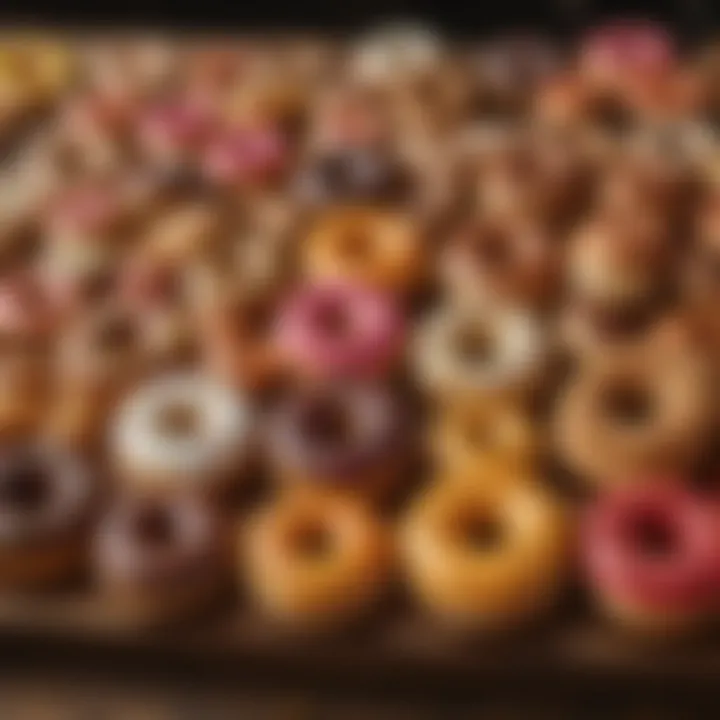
(484, 438)
(638, 409)
(173, 133)
(160, 558)
(485, 557)
(507, 70)
(47, 499)
(464, 356)
(492, 261)
(182, 430)
(650, 554)
(237, 336)
(382, 249)
(349, 437)
(84, 213)
(340, 330)
(26, 313)
(246, 157)
(352, 176)
(544, 177)
(396, 54)
(621, 56)
(562, 101)
(25, 390)
(316, 562)
(617, 264)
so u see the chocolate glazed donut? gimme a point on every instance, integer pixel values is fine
(350, 437)
(46, 503)
(161, 557)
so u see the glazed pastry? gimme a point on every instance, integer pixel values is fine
(463, 356)
(512, 262)
(486, 557)
(639, 409)
(182, 430)
(317, 562)
(485, 439)
(650, 554)
(381, 249)
(340, 330)
(161, 558)
(47, 500)
(349, 437)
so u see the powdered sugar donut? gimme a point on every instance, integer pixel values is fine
(180, 429)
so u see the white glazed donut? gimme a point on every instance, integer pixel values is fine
(463, 354)
(395, 51)
(182, 428)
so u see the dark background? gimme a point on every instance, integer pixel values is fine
(465, 17)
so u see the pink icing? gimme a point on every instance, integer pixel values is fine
(681, 577)
(245, 155)
(630, 47)
(181, 124)
(24, 307)
(90, 208)
(371, 332)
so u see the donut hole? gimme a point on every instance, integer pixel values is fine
(355, 246)
(178, 420)
(326, 423)
(25, 488)
(332, 319)
(154, 526)
(311, 539)
(492, 250)
(653, 536)
(474, 346)
(253, 318)
(478, 530)
(117, 333)
(628, 403)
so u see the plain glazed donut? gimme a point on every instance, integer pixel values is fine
(643, 408)
(182, 430)
(160, 559)
(381, 249)
(492, 437)
(650, 554)
(486, 556)
(340, 330)
(317, 561)
(462, 356)
(46, 505)
(513, 262)
(350, 437)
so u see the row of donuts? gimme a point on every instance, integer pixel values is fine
(477, 555)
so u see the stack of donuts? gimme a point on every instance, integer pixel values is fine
(318, 325)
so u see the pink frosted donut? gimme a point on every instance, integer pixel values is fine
(340, 330)
(651, 555)
(174, 130)
(86, 211)
(641, 49)
(246, 156)
(25, 309)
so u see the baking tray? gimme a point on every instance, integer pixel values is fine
(398, 649)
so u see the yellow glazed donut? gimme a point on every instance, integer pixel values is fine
(484, 437)
(639, 409)
(462, 355)
(486, 556)
(316, 561)
(373, 247)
